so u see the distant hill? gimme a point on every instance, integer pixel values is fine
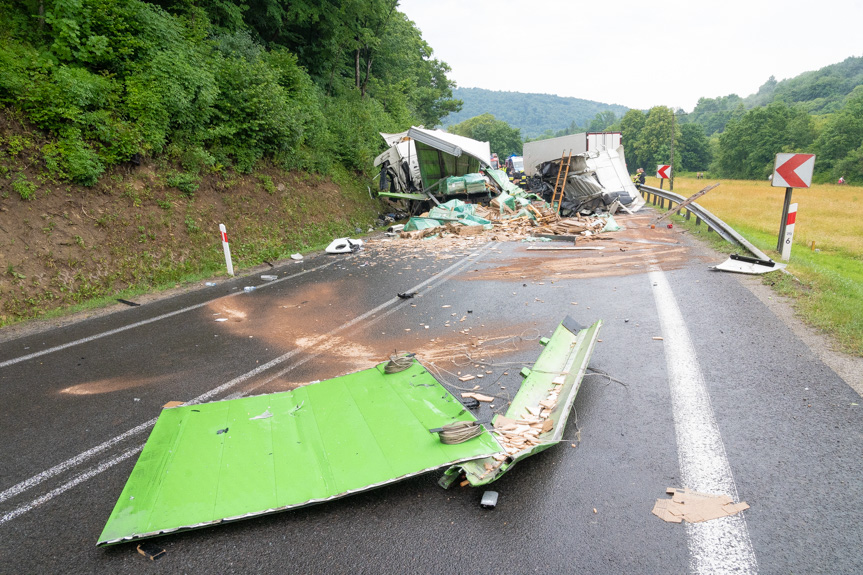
(818, 92)
(533, 114)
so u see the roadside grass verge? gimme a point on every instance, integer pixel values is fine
(827, 282)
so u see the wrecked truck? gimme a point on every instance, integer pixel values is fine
(422, 166)
(596, 177)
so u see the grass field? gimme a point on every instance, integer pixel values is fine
(829, 295)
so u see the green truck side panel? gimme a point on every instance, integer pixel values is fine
(286, 450)
(567, 353)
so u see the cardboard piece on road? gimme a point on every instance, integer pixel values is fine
(211, 463)
(171, 404)
(694, 507)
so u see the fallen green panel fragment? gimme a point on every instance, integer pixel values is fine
(403, 196)
(561, 366)
(230, 460)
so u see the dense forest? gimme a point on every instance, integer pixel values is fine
(214, 85)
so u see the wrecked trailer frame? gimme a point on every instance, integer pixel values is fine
(760, 264)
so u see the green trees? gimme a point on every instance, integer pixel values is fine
(748, 145)
(503, 139)
(217, 83)
(840, 145)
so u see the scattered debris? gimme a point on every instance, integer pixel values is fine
(407, 295)
(694, 507)
(297, 257)
(171, 404)
(127, 302)
(538, 413)
(269, 278)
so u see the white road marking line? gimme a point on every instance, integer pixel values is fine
(82, 457)
(15, 360)
(722, 545)
(78, 479)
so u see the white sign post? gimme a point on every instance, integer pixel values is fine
(789, 232)
(227, 248)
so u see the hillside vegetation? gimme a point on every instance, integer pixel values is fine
(533, 115)
(130, 129)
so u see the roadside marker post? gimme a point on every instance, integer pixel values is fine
(227, 249)
(790, 171)
(789, 232)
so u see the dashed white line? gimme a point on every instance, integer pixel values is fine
(721, 545)
(42, 352)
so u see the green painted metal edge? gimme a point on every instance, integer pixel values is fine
(566, 356)
(224, 461)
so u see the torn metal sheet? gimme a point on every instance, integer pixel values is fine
(230, 460)
(744, 265)
(557, 374)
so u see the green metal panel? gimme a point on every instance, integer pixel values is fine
(229, 460)
(435, 164)
(566, 354)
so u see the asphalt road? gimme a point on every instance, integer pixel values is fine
(727, 397)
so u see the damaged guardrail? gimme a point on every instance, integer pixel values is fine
(761, 263)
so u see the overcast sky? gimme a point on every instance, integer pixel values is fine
(686, 49)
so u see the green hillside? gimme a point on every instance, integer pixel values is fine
(533, 114)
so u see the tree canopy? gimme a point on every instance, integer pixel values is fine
(503, 139)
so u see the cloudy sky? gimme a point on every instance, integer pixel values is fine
(634, 53)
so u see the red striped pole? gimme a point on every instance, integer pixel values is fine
(789, 231)
(227, 248)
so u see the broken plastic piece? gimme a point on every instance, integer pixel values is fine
(269, 278)
(489, 500)
(344, 246)
(296, 257)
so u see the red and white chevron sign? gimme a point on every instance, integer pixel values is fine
(793, 170)
(663, 172)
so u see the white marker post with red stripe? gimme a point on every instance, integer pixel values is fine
(227, 248)
(789, 231)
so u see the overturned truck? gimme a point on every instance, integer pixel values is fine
(597, 175)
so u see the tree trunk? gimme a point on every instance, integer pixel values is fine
(357, 68)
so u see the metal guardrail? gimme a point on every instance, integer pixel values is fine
(725, 231)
